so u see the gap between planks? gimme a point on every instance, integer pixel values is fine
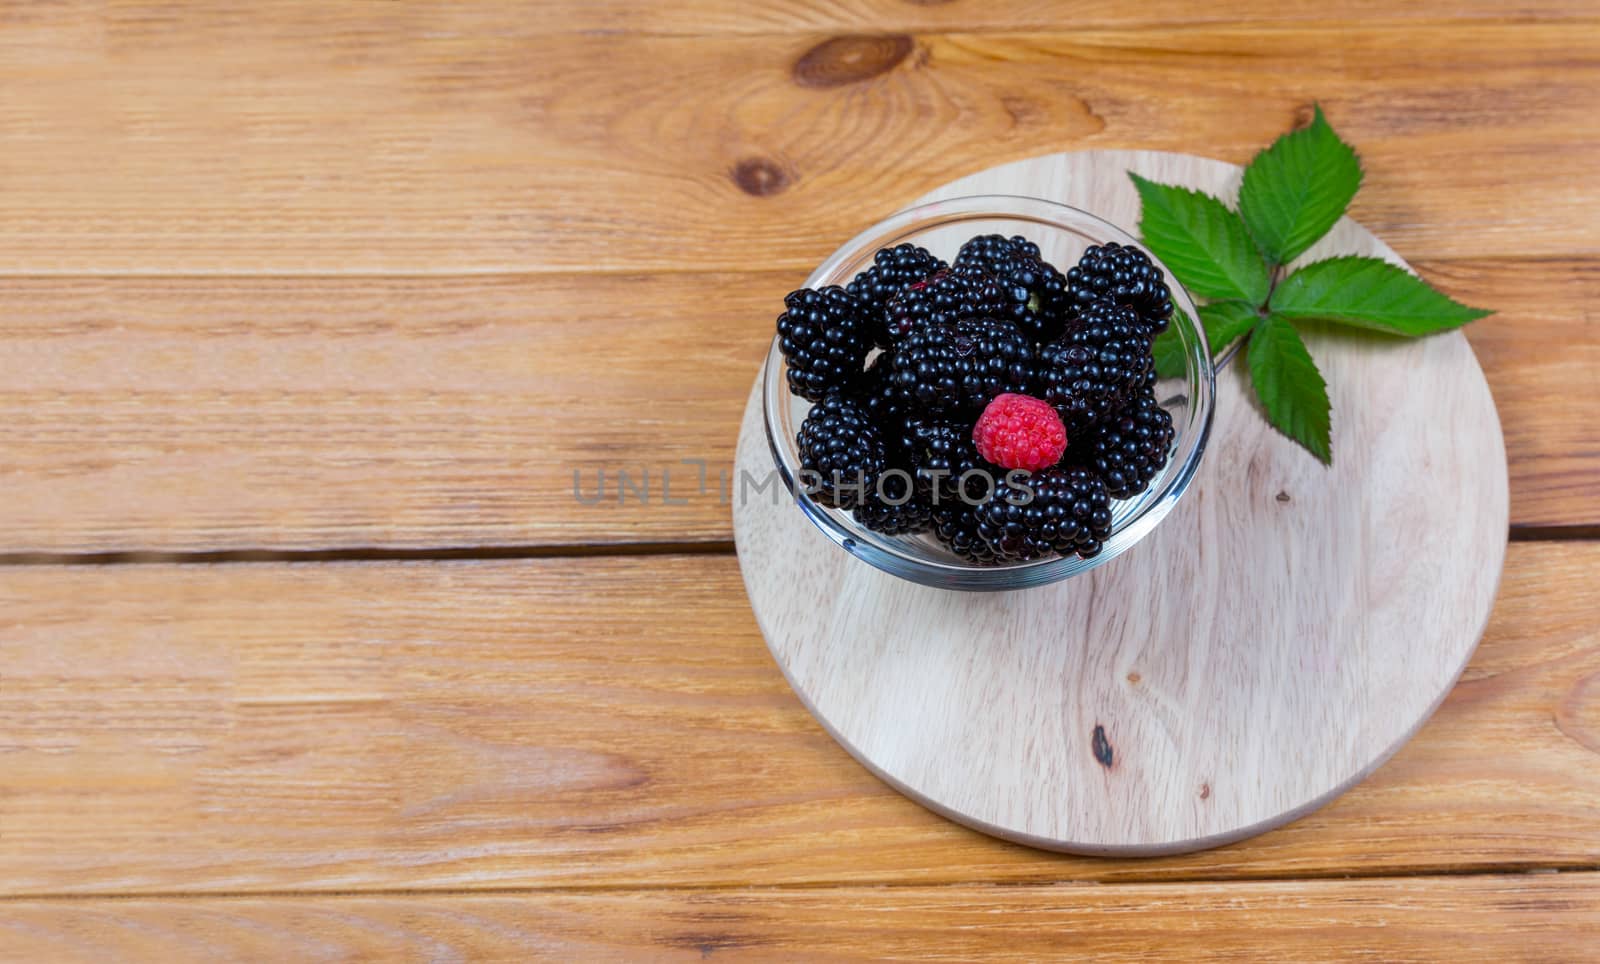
(1531, 870)
(1021, 29)
(1423, 265)
(367, 554)
(1047, 28)
(715, 547)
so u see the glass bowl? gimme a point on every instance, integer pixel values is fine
(1062, 234)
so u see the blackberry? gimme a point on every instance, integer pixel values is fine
(1148, 382)
(843, 449)
(1068, 511)
(960, 366)
(876, 395)
(948, 295)
(941, 452)
(893, 270)
(1128, 449)
(1035, 292)
(824, 337)
(895, 507)
(1096, 368)
(1123, 275)
(956, 525)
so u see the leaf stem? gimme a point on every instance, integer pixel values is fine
(1276, 275)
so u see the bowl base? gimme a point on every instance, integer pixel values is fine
(1274, 640)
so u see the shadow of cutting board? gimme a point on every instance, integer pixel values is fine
(1272, 642)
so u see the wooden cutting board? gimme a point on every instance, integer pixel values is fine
(1276, 638)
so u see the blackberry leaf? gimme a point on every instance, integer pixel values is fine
(1297, 189)
(1202, 242)
(1225, 321)
(1168, 348)
(1290, 387)
(1369, 293)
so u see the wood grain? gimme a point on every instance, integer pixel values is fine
(307, 138)
(194, 414)
(1509, 918)
(618, 722)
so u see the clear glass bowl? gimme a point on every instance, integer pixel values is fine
(1062, 234)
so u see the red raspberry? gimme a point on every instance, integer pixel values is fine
(1019, 432)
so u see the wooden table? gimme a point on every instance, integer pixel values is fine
(313, 311)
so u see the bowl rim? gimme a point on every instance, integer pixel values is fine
(881, 551)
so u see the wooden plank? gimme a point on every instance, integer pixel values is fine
(1508, 918)
(308, 138)
(316, 413)
(231, 413)
(617, 722)
(1542, 357)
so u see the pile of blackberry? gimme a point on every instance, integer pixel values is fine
(902, 362)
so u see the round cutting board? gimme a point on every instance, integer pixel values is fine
(1272, 642)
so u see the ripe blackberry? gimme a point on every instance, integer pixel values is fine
(956, 525)
(1096, 367)
(876, 395)
(823, 336)
(895, 506)
(1035, 292)
(1148, 382)
(893, 270)
(1123, 275)
(1128, 449)
(948, 295)
(960, 366)
(1065, 510)
(942, 453)
(841, 452)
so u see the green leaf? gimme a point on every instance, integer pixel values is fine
(1290, 387)
(1227, 320)
(1224, 321)
(1168, 350)
(1369, 293)
(1297, 189)
(1204, 244)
